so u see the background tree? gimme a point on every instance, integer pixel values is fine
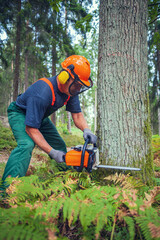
(154, 63)
(47, 35)
(124, 133)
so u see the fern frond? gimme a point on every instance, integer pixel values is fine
(18, 223)
(143, 224)
(131, 226)
(22, 232)
(124, 181)
(150, 216)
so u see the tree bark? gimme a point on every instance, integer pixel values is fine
(54, 60)
(17, 60)
(158, 87)
(68, 113)
(26, 56)
(124, 131)
(95, 112)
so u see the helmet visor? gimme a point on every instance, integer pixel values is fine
(77, 87)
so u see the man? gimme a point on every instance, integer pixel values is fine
(28, 116)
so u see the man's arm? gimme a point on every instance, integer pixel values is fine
(79, 121)
(38, 138)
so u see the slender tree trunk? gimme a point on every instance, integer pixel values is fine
(95, 112)
(68, 113)
(54, 60)
(158, 87)
(35, 62)
(26, 71)
(17, 60)
(159, 121)
(124, 131)
(12, 70)
(26, 56)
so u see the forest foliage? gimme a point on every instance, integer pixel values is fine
(49, 204)
(45, 33)
(52, 30)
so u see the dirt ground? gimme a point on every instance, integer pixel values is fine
(4, 155)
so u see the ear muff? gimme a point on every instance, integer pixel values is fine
(63, 77)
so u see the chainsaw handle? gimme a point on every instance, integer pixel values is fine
(89, 141)
(83, 153)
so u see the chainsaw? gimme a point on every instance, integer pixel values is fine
(83, 156)
(87, 156)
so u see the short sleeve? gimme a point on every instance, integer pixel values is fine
(35, 110)
(73, 105)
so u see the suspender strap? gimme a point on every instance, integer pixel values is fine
(52, 90)
(51, 87)
(66, 100)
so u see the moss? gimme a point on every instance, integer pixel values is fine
(147, 161)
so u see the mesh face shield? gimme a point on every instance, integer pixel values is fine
(77, 86)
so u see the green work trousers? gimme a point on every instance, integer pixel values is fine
(20, 157)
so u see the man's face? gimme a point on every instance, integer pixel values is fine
(72, 87)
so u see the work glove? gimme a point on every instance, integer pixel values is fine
(57, 155)
(87, 133)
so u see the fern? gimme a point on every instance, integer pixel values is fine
(72, 199)
(27, 188)
(92, 206)
(143, 224)
(157, 198)
(18, 223)
(124, 181)
(143, 221)
(131, 227)
(22, 232)
(157, 181)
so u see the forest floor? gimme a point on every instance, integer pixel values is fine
(39, 155)
(52, 204)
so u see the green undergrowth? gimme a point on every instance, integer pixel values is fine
(53, 204)
(7, 141)
(72, 205)
(156, 145)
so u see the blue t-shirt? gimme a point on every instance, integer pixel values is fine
(37, 99)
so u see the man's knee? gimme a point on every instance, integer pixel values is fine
(26, 145)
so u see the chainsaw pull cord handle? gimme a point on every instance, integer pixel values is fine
(83, 154)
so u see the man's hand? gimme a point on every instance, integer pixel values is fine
(87, 133)
(57, 155)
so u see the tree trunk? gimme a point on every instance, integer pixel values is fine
(95, 112)
(158, 87)
(68, 113)
(26, 71)
(26, 56)
(54, 60)
(35, 62)
(124, 131)
(17, 60)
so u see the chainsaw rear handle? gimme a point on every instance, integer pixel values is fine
(89, 141)
(83, 152)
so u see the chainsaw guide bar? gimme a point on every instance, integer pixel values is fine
(87, 156)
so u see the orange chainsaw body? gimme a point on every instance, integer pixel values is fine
(73, 158)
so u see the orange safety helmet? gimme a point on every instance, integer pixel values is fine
(81, 68)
